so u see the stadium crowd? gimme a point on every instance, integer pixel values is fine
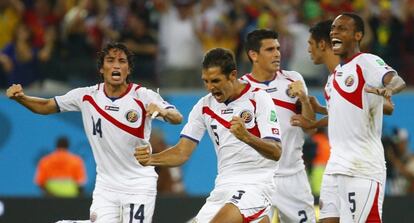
(51, 44)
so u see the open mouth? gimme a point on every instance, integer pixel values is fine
(116, 74)
(336, 43)
(217, 95)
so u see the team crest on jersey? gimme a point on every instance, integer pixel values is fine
(349, 81)
(275, 131)
(227, 111)
(132, 116)
(270, 90)
(289, 93)
(247, 116)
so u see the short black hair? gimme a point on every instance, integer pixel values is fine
(321, 31)
(62, 142)
(255, 37)
(220, 57)
(114, 45)
(358, 21)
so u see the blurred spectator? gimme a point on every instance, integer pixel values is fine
(222, 35)
(180, 50)
(169, 179)
(400, 179)
(10, 13)
(320, 161)
(20, 59)
(61, 173)
(407, 71)
(138, 39)
(78, 44)
(387, 34)
(39, 19)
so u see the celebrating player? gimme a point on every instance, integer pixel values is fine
(292, 196)
(242, 124)
(116, 117)
(353, 183)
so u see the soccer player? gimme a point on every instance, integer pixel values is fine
(243, 126)
(292, 196)
(117, 117)
(353, 183)
(321, 52)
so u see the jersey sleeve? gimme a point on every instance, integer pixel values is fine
(156, 98)
(153, 97)
(374, 69)
(71, 101)
(195, 127)
(266, 116)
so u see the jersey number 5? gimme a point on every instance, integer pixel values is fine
(97, 127)
(216, 136)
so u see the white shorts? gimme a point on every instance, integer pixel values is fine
(252, 201)
(109, 206)
(352, 199)
(293, 198)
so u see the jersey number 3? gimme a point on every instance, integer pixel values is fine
(97, 127)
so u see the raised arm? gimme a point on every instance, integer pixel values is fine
(37, 105)
(171, 157)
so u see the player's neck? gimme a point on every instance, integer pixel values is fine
(114, 91)
(262, 75)
(331, 61)
(345, 58)
(238, 89)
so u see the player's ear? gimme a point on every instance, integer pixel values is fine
(233, 75)
(322, 44)
(252, 55)
(358, 36)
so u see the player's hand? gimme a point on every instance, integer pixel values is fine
(300, 121)
(297, 89)
(237, 128)
(142, 155)
(15, 92)
(385, 92)
(154, 111)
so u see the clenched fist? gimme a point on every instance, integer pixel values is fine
(143, 155)
(238, 128)
(15, 91)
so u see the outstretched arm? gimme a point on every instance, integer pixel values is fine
(171, 157)
(171, 115)
(37, 105)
